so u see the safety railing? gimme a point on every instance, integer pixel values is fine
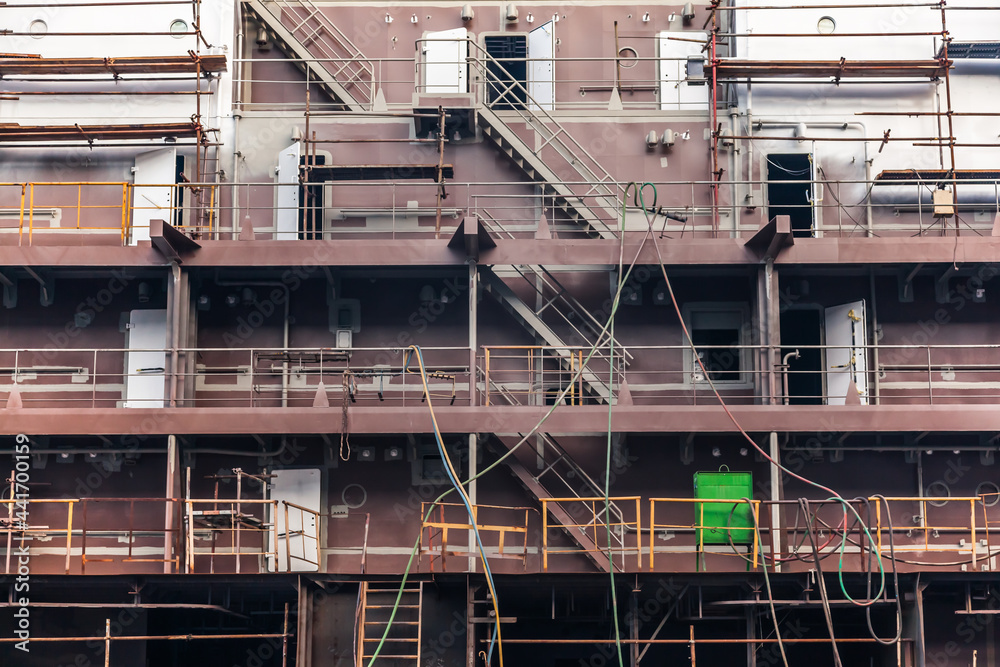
(538, 374)
(108, 208)
(516, 375)
(741, 531)
(608, 537)
(65, 534)
(236, 529)
(210, 211)
(446, 531)
(300, 544)
(232, 377)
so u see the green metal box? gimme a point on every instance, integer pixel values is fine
(715, 518)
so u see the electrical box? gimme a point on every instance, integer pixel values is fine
(944, 204)
(719, 521)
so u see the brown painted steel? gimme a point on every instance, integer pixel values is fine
(493, 419)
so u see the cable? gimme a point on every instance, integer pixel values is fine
(895, 584)
(729, 414)
(453, 476)
(822, 584)
(510, 452)
(767, 581)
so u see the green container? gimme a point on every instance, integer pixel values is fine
(718, 519)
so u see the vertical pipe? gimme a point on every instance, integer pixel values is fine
(172, 492)
(174, 331)
(284, 639)
(107, 642)
(775, 454)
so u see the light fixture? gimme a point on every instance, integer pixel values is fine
(511, 13)
(144, 291)
(467, 13)
(716, 452)
(204, 302)
(249, 296)
(744, 451)
(263, 43)
(645, 17)
(426, 294)
(232, 300)
(826, 25)
(800, 131)
(668, 138)
(651, 139)
(687, 13)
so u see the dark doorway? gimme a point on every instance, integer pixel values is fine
(801, 328)
(311, 204)
(789, 183)
(509, 66)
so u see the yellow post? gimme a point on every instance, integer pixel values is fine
(31, 212)
(545, 536)
(638, 532)
(972, 522)
(878, 526)
(20, 220)
(652, 527)
(79, 201)
(755, 508)
(69, 534)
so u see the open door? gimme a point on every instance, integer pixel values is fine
(445, 61)
(677, 89)
(146, 359)
(298, 540)
(153, 195)
(286, 220)
(846, 353)
(541, 78)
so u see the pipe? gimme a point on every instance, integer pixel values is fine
(784, 371)
(285, 333)
(175, 329)
(233, 452)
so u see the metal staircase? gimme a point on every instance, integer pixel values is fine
(532, 321)
(302, 31)
(562, 477)
(562, 167)
(402, 645)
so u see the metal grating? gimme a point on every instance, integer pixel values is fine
(970, 50)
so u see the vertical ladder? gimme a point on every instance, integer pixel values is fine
(402, 645)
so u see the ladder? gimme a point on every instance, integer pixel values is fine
(402, 645)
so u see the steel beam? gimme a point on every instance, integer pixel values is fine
(505, 419)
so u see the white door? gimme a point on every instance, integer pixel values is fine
(846, 355)
(298, 540)
(541, 51)
(153, 194)
(445, 61)
(146, 359)
(673, 49)
(287, 216)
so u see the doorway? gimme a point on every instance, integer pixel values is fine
(508, 70)
(789, 190)
(801, 328)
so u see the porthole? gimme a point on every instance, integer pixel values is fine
(38, 28)
(991, 492)
(826, 25)
(939, 490)
(354, 496)
(178, 28)
(627, 57)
